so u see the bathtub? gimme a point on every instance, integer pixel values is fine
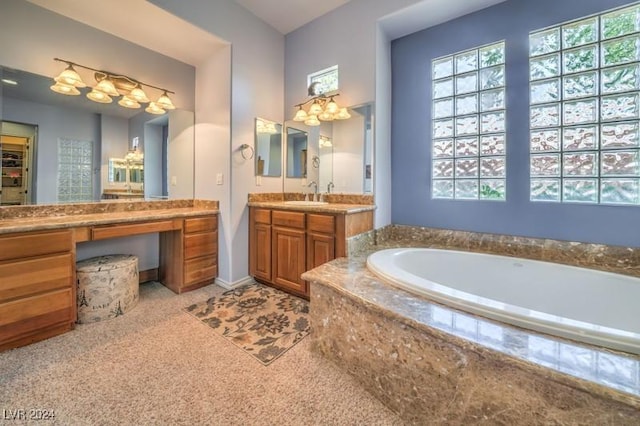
(585, 305)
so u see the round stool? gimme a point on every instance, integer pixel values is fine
(107, 287)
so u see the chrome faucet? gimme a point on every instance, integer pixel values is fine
(315, 189)
(329, 186)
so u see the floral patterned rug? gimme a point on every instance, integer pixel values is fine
(263, 321)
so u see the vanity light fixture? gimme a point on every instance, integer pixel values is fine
(111, 85)
(323, 108)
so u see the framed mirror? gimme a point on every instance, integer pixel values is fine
(117, 170)
(297, 148)
(268, 155)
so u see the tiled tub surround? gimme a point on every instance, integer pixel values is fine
(621, 260)
(431, 363)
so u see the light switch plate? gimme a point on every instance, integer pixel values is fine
(219, 179)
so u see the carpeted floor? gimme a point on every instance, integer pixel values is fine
(156, 365)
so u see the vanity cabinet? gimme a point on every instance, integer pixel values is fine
(37, 291)
(284, 244)
(189, 255)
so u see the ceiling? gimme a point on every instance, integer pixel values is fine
(289, 15)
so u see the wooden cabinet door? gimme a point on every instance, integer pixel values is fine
(260, 257)
(320, 249)
(289, 258)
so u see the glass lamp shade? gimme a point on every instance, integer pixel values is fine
(301, 115)
(107, 87)
(65, 89)
(312, 120)
(153, 108)
(70, 77)
(138, 94)
(332, 107)
(325, 116)
(165, 102)
(98, 96)
(315, 109)
(342, 115)
(128, 102)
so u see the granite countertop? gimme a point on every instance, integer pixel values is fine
(609, 373)
(338, 208)
(37, 223)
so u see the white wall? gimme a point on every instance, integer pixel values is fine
(350, 37)
(254, 63)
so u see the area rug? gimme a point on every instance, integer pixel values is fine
(263, 321)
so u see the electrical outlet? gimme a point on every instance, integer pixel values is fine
(258, 180)
(174, 180)
(219, 179)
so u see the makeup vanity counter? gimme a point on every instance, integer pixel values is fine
(38, 256)
(288, 236)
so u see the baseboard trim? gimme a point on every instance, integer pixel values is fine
(148, 275)
(231, 285)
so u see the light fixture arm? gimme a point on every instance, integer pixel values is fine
(321, 98)
(107, 74)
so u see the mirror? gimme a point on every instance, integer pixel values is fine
(340, 156)
(325, 163)
(268, 139)
(71, 134)
(296, 153)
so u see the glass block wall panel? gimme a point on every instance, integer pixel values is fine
(75, 170)
(584, 95)
(468, 124)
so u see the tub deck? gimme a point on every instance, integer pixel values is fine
(430, 362)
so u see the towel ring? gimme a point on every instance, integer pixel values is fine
(315, 162)
(243, 148)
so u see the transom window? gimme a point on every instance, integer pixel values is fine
(327, 79)
(584, 110)
(468, 117)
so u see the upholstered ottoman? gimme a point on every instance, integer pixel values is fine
(107, 287)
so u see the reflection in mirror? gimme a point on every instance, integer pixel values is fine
(296, 153)
(268, 137)
(325, 160)
(349, 167)
(73, 141)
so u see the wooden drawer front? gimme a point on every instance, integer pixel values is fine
(288, 219)
(35, 244)
(27, 277)
(262, 216)
(321, 223)
(103, 232)
(200, 224)
(200, 269)
(34, 306)
(200, 245)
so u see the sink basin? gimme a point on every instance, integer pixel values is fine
(306, 203)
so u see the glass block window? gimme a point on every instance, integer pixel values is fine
(584, 110)
(328, 79)
(468, 122)
(75, 166)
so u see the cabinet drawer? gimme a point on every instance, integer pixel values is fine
(200, 244)
(200, 269)
(28, 277)
(262, 216)
(113, 231)
(288, 219)
(35, 244)
(321, 223)
(200, 224)
(59, 301)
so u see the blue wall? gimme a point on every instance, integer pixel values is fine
(411, 130)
